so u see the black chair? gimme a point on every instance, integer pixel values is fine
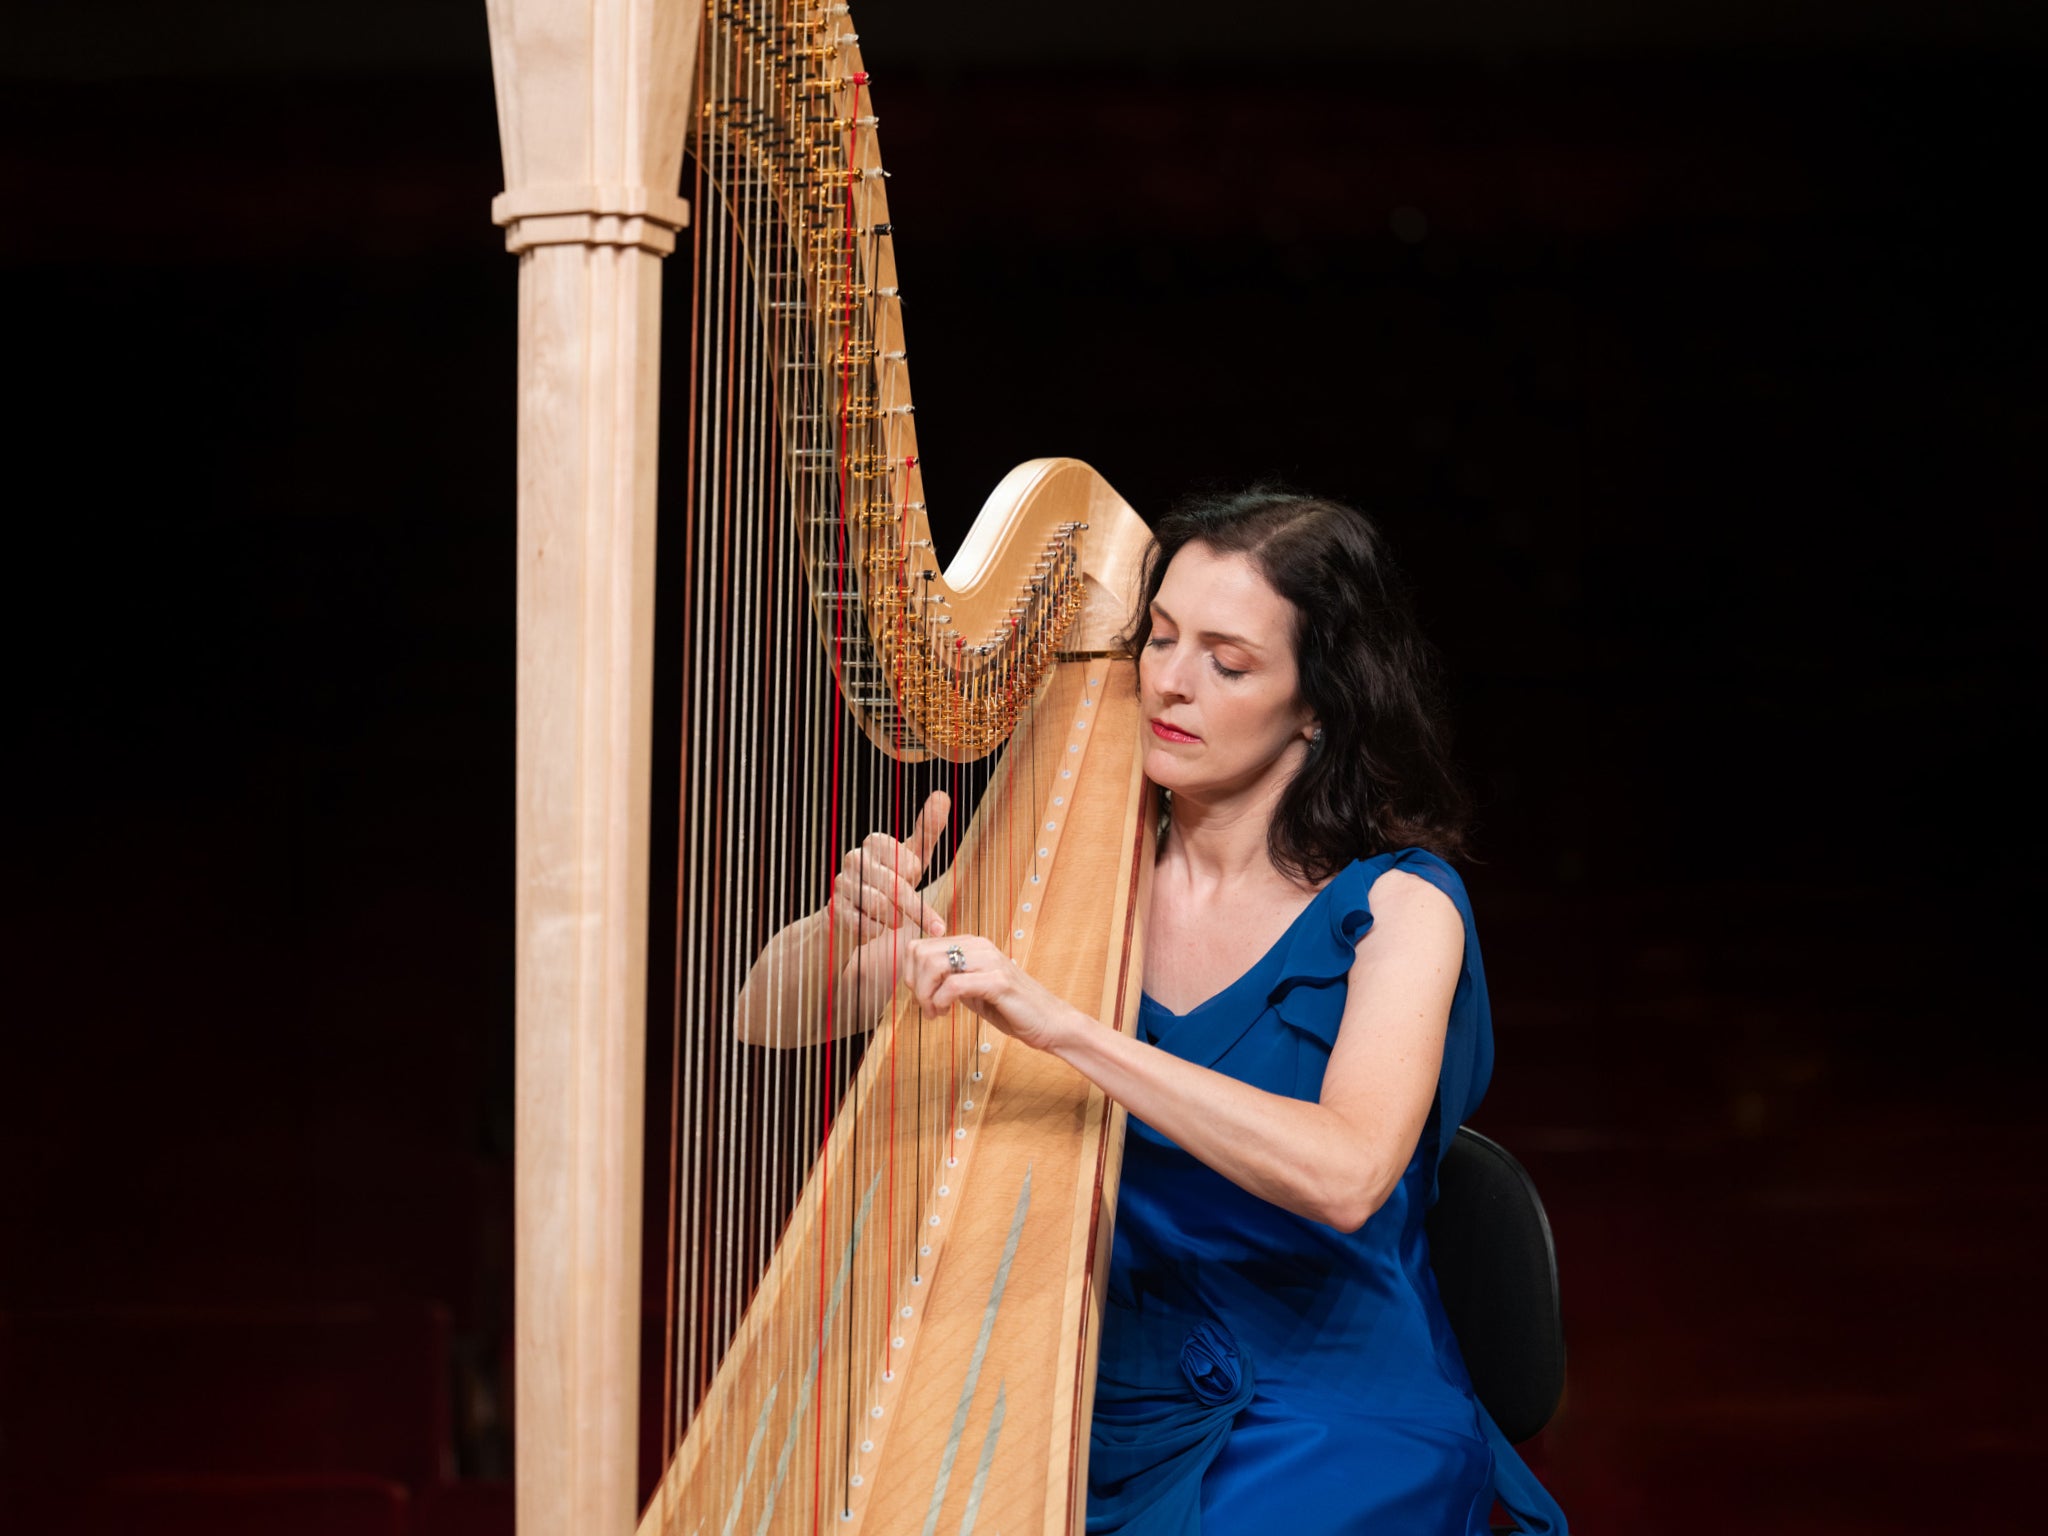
(1496, 1269)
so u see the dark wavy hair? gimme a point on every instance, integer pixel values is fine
(1382, 776)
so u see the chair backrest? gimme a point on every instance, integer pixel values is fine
(1496, 1269)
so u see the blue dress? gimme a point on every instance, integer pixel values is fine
(1261, 1372)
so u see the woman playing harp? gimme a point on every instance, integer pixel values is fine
(1314, 1028)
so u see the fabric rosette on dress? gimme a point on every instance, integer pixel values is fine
(1167, 1390)
(1209, 1360)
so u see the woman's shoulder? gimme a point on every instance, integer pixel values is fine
(1401, 894)
(1405, 880)
(1416, 928)
(1406, 889)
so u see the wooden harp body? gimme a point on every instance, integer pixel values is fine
(886, 1236)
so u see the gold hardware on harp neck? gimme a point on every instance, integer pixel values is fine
(821, 293)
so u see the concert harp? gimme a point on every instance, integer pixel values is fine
(885, 1236)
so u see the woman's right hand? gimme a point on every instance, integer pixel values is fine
(875, 894)
(859, 938)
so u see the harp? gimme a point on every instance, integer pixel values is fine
(884, 1237)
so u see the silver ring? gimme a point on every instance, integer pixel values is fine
(956, 958)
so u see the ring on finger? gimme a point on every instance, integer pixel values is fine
(956, 958)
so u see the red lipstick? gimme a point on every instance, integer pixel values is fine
(1167, 732)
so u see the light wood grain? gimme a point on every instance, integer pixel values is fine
(592, 97)
(1035, 1116)
(593, 102)
(1026, 504)
(586, 534)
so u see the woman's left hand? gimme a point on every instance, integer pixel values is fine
(991, 985)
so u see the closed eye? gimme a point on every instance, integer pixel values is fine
(1224, 671)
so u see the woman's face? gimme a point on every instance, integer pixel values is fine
(1222, 708)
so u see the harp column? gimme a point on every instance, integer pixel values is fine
(593, 101)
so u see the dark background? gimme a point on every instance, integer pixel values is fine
(1691, 356)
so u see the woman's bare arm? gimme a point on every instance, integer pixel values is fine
(1333, 1161)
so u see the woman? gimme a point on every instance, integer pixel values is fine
(1314, 1027)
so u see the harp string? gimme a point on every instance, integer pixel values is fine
(684, 1235)
(750, 632)
(780, 779)
(670, 1387)
(787, 491)
(840, 581)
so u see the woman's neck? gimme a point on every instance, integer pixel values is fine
(1222, 844)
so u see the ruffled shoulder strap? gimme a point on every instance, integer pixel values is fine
(1308, 983)
(1309, 988)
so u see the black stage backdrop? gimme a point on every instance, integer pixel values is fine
(1692, 360)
